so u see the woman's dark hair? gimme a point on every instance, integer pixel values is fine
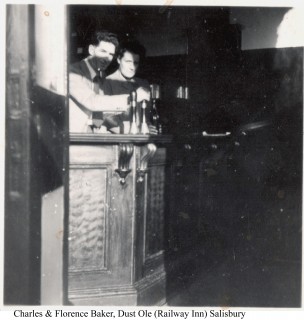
(132, 46)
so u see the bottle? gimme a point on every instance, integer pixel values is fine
(133, 124)
(154, 115)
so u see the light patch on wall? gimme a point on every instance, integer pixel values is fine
(259, 26)
(291, 30)
(51, 47)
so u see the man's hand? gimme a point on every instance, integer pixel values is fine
(142, 94)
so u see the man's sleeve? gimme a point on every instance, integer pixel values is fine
(82, 93)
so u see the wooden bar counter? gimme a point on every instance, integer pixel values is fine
(116, 219)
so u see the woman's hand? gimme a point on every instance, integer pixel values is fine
(152, 129)
(142, 94)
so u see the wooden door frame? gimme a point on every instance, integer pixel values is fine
(26, 182)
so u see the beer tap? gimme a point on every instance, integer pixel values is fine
(133, 126)
(144, 126)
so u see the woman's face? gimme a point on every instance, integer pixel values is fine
(128, 64)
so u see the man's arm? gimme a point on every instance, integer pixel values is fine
(82, 93)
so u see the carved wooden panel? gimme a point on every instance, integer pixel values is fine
(155, 210)
(88, 215)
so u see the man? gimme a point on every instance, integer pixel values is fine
(123, 81)
(85, 86)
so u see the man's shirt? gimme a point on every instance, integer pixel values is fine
(86, 97)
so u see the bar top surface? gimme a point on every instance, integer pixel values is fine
(95, 138)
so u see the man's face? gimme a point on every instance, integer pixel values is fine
(101, 55)
(128, 64)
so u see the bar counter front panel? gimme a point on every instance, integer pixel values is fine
(116, 219)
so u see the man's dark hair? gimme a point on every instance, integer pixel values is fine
(103, 35)
(132, 46)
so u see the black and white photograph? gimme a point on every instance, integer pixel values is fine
(153, 158)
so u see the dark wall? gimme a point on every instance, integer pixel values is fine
(161, 30)
(239, 198)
